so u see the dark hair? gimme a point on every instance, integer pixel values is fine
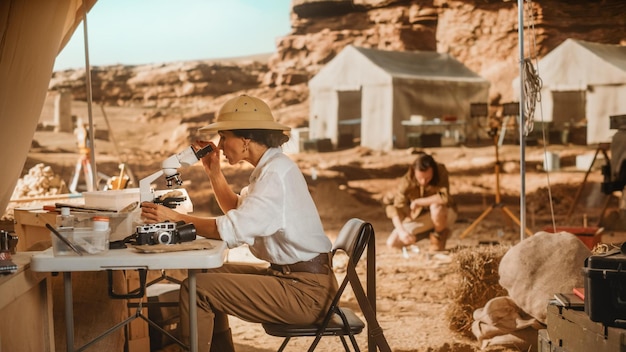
(424, 162)
(269, 138)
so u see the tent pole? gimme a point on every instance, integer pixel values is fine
(91, 184)
(522, 140)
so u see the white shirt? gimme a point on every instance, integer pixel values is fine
(275, 214)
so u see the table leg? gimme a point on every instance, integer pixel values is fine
(69, 311)
(193, 311)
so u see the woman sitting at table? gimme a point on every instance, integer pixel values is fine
(274, 215)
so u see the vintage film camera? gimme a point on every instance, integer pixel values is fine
(165, 233)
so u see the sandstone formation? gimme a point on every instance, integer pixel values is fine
(483, 34)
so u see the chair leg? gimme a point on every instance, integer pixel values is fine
(284, 344)
(315, 342)
(354, 344)
(344, 343)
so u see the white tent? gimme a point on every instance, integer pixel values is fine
(373, 91)
(582, 81)
(33, 32)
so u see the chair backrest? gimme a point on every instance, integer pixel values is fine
(353, 238)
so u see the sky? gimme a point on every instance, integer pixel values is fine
(135, 32)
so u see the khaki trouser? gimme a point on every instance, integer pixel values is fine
(255, 294)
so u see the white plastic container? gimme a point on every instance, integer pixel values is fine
(551, 161)
(114, 200)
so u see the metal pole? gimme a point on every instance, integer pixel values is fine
(522, 140)
(92, 132)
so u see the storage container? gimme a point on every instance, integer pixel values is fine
(114, 200)
(605, 288)
(85, 239)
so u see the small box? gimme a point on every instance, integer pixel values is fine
(85, 239)
(115, 200)
(551, 161)
(605, 288)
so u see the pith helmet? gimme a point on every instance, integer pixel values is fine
(244, 112)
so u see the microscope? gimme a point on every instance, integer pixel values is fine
(169, 168)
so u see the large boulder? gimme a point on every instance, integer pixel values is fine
(541, 265)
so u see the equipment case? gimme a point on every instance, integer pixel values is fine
(605, 288)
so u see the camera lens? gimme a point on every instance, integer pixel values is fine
(186, 232)
(164, 238)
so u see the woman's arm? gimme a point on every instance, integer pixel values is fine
(427, 201)
(403, 234)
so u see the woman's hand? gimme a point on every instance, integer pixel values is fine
(154, 213)
(417, 203)
(405, 237)
(211, 161)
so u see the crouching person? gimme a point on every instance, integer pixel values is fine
(422, 206)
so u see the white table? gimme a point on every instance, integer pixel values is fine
(125, 259)
(453, 128)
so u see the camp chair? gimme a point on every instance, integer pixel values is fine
(353, 239)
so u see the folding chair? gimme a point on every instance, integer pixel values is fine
(353, 239)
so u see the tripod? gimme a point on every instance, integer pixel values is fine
(493, 133)
(82, 137)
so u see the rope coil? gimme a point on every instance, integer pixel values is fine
(532, 87)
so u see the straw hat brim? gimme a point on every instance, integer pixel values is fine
(244, 125)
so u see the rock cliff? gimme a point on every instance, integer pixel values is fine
(483, 34)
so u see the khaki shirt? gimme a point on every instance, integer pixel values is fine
(409, 189)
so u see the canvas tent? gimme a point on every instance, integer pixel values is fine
(582, 81)
(33, 32)
(372, 91)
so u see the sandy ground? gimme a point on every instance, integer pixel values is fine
(415, 292)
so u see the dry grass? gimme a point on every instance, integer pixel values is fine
(478, 270)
